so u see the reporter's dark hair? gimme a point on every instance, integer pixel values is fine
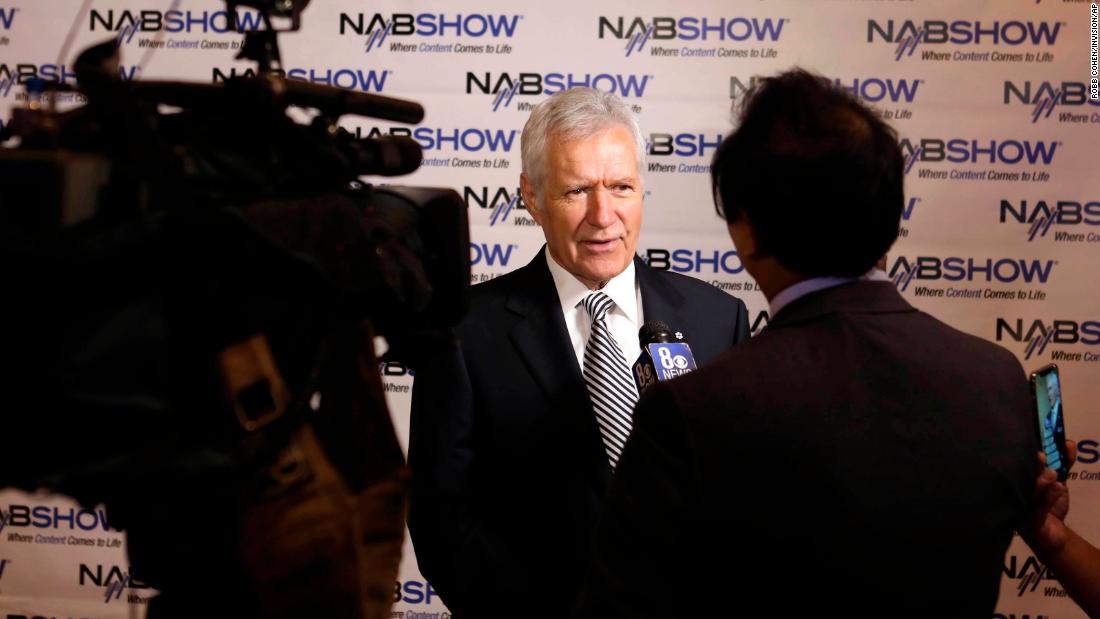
(818, 174)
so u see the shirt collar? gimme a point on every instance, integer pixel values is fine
(621, 288)
(796, 291)
(789, 294)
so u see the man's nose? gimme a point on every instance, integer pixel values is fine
(600, 208)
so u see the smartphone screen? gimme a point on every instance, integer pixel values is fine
(1046, 389)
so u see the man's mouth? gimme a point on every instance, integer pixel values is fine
(600, 245)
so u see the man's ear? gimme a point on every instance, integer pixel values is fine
(530, 197)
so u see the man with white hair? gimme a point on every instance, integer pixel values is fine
(516, 431)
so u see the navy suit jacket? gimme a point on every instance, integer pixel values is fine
(858, 458)
(508, 464)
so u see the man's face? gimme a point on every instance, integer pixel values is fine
(590, 204)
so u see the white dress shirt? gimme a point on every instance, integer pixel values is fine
(623, 320)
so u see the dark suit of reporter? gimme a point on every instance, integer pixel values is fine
(858, 456)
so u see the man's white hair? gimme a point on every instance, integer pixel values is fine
(576, 113)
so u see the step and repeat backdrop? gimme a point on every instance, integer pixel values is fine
(994, 102)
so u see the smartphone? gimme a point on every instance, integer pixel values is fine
(1046, 392)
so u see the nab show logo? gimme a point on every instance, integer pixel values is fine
(1045, 97)
(414, 592)
(459, 140)
(506, 87)
(1039, 334)
(695, 261)
(1042, 215)
(501, 202)
(171, 21)
(993, 151)
(868, 89)
(346, 78)
(956, 269)
(908, 35)
(638, 31)
(698, 146)
(115, 580)
(378, 27)
(1030, 572)
(22, 72)
(47, 517)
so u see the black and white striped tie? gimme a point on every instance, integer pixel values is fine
(608, 378)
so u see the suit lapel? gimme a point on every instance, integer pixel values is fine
(543, 342)
(660, 301)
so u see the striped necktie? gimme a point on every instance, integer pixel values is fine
(607, 376)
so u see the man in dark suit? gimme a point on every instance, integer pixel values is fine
(510, 457)
(858, 457)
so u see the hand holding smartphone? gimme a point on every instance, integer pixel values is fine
(1046, 393)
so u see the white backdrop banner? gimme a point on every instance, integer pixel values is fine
(991, 99)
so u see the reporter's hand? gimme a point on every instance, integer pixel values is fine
(1046, 531)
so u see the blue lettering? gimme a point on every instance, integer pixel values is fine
(6, 17)
(505, 24)
(414, 593)
(493, 255)
(1036, 270)
(248, 20)
(902, 89)
(733, 28)
(57, 518)
(202, 21)
(473, 25)
(498, 141)
(1090, 333)
(630, 86)
(689, 29)
(173, 21)
(1042, 32)
(41, 517)
(993, 32)
(719, 28)
(954, 269)
(700, 261)
(553, 83)
(457, 24)
(681, 261)
(1088, 451)
(769, 29)
(1041, 150)
(417, 592)
(991, 151)
(907, 212)
(373, 81)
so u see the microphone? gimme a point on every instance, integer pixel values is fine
(665, 355)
